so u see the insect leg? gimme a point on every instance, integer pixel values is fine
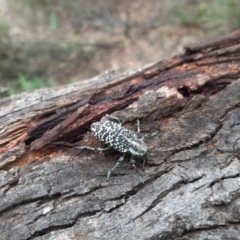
(119, 160)
(139, 174)
(93, 149)
(138, 127)
(114, 119)
(154, 133)
(150, 136)
(102, 149)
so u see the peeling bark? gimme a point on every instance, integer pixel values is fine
(50, 190)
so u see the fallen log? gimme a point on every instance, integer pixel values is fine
(51, 190)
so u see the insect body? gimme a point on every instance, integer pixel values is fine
(111, 132)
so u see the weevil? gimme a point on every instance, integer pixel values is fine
(110, 131)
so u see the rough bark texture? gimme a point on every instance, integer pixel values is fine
(50, 190)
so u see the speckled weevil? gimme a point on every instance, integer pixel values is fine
(111, 132)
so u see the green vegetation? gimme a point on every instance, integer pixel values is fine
(54, 21)
(23, 84)
(208, 14)
(223, 13)
(4, 29)
(188, 15)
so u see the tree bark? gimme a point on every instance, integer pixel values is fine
(51, 190)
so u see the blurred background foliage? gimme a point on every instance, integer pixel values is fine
(51, 42)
